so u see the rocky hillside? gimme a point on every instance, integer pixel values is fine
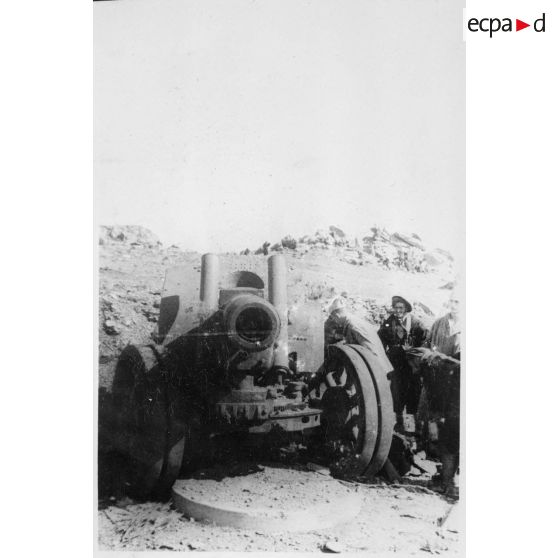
(366, 271)
(380, 248)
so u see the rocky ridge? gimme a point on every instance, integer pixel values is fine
(381, 248)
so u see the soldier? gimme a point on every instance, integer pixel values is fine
(400, 332)
(353, 330)
(442, 391)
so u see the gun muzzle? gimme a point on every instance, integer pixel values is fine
(251, 322)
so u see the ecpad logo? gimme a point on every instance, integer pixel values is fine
(492, 25)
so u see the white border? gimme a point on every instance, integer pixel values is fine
(47, 280)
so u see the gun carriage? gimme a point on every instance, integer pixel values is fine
(235, 356)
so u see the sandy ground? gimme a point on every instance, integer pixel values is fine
(405, 520)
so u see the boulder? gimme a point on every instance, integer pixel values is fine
(289, 242)
(336, 232)
(129, 235)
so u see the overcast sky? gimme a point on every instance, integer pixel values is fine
(220, 124)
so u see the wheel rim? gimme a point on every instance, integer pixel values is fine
(149, 433)
(355, 412)
(384, 400)
(346, 395)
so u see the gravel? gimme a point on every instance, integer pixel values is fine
(391, 520)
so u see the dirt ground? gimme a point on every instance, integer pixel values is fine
(404, 519)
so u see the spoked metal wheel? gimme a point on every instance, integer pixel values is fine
(355, 397)
(149, 429)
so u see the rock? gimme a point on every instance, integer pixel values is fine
(335, 231)
(427, 465)
(379, 234)
(129, 235)
(432, 259)
(401, 239)
(444, 253)
(414, 472)
(318, 469)
(332, 546)
(111, 327)
(124, 502)
(288, 242)
(263, 249)
(150, 315)
(322, 237)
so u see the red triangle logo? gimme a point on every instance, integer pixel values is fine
(519, 25)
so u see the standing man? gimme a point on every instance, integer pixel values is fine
(442, 390)
(445, 335)
(399, 332)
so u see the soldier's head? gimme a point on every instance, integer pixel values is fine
(338, 310)
(454, 305)
(400, 306)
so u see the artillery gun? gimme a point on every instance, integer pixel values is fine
(232, 356)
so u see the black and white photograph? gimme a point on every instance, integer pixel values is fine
(279, 204)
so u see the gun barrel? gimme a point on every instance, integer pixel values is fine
(209, 284)
(277, 278)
